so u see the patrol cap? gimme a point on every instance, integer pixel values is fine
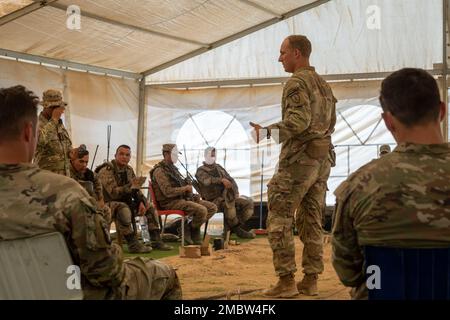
(52, 98)
(385, 148)
(168, 147)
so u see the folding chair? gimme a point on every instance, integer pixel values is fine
(166, 213)
(38, 268)
(410, 274)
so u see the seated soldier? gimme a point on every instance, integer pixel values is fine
(35, 201)
(220, 188)
(173, 193)
(121, 192)
(79, 159)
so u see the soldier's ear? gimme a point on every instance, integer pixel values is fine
(442, 111)
(388, 121)
(28, 132)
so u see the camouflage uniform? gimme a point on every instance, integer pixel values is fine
(42, 121)
(300, 183)
(236, 210)
(400, 200)
(89, 181)
(116, 183)
(167, 183)
(54, 144)
(35, 201)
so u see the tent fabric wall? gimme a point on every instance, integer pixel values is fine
(93, 102)
(345, 39)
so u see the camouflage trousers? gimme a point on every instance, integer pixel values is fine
(121, 214)
(237, 214)
(148, 279)
(300, 186)
(199, 211)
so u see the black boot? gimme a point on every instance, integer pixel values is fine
(156, 241)
(187, 234)
(241, 233)
(134, 246)
(195, 235)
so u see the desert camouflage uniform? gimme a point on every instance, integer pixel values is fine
(237, 210)
(89, 181)
(400, 200)
(116, 183)
(52, 151)
(35, 201)
(42, 121)
(167, 183)
(300, 183)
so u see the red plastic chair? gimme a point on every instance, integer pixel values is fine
(166, 213)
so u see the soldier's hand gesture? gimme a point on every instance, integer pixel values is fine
(188, 188)
(137, 182)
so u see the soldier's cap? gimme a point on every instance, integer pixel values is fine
(52, 98)
(168, 147)
(385, 148)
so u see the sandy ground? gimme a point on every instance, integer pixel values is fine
(246, 267)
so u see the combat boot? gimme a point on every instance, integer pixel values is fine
(308, 285)
(157, 243)
(196, 236)
(187, 235)
(134, 246)
(285, 288)
(241, 233)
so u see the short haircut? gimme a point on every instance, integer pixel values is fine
(411, 95)
(123, 146)
(17, 106)
(81, 151)
(301, 43)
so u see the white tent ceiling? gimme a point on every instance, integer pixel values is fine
(139, 36)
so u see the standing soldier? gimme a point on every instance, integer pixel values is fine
(300, 183)
(219, 187)
(79, 159)
(54, 144)
(173, 193)
(121, 192)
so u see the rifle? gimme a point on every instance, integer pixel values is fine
(108, 139)
(191, 180)
(93, 160)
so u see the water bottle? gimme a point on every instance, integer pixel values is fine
(144, 229)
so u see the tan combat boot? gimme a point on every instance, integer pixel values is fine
(134, 246)
(285, 288)
(308, 285)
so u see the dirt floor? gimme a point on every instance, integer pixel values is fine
(246, 268)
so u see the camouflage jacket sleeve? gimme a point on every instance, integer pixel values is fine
(296, 111)
(98, 188)
(206, 179)
(109, 184)
(347, 257)
(164, 184)
(231, 179)
(100, 261)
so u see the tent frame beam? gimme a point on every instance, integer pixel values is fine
(67, 64)
(142, 117)
(36, 5)
(235, 36)
(261, 8)
(130, 26)
(445, 71)
(276, 80)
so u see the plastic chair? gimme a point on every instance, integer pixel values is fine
(166, 213)
(38, 267)
(410, 274)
